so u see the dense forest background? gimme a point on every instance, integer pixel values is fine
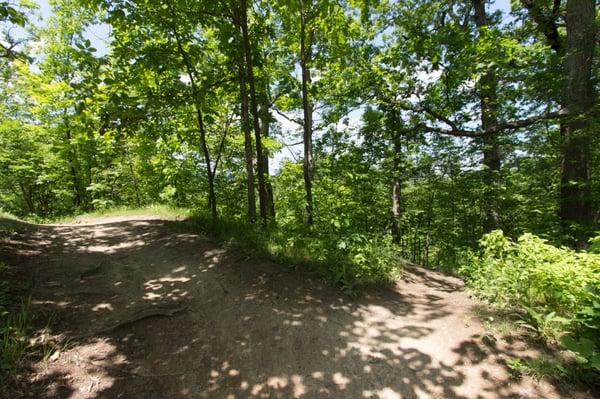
(423, 124)
(342, 133)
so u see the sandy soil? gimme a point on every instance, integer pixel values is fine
(149, 310)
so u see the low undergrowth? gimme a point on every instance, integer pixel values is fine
(346, 260)
(555, 290)
(15, 319)
(20, 340)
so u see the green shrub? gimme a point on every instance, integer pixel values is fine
(558, 288)
(13, 339)
(595, 244)
(343, 258)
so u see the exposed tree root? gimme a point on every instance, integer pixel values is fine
(138, 316)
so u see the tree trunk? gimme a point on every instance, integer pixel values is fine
(212, 198)
(247, 144)
(491, 149)
(262, 190)
(578, 97)
(27, 197)
(397, 189)
(308, 165)
(136, 187)
(77, 199)
(428, 230)
(265, 119)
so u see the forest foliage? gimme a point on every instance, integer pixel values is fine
(344, 134)
(557, 287)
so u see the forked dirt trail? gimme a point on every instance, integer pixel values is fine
(149, 310)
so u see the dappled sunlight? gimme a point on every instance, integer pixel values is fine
(385, 393)
(102, 306)
(175, 315)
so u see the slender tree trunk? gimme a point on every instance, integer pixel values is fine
(262, 190)
(265, 119)
(78, 197)
(578, 97)
(247, 144)
(491, 149)
(428, 230)
(212, 198)
(308, 166)
(397, 189)
(27, 196)
(133, 178)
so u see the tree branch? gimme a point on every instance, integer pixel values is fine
(497, 128)
(297, 121)
(546, 24)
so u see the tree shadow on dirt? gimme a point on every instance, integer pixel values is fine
(238, 327)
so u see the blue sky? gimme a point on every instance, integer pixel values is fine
(98, 34)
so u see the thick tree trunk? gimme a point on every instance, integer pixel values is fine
(247, 144)
(262, 190)
(308, 165)
(491, 149)
(578, 97)
(492, 163)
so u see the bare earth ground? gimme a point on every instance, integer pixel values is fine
(151, 311)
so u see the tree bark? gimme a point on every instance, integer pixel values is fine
(262, 191)
(77, 194)
(397, 187)
(578, 97)
(491, 149)
(397, 193)
(265, 124)
(308, 164)
(136, 187)
(247, 144)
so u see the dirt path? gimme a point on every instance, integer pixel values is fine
(151, 311)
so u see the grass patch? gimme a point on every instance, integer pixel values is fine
(163, 211)
(13, 339)
(20, 342)
(6, 215)
(499, 321)
(539, 368)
